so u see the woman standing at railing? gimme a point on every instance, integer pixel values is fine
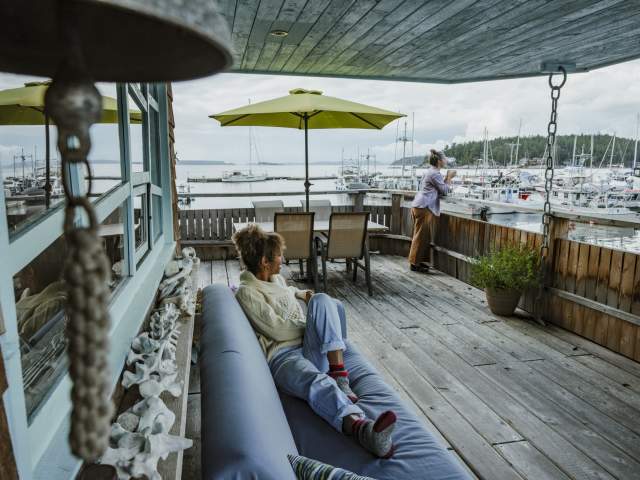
(425, 211)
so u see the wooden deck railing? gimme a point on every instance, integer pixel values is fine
(593, 291)
(210, 226)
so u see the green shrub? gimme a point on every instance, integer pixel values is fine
(511, 268)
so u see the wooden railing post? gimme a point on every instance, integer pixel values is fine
(558, 229)
(358, 202)
(396, 213)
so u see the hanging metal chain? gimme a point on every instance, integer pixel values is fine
(552, 129)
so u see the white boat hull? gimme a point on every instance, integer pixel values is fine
(256, 178)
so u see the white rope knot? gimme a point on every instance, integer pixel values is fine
(87, 274)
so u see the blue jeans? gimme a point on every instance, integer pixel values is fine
(301, 371)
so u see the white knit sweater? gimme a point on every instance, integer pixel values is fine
(273, 310)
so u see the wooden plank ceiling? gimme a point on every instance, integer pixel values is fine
(443, 41)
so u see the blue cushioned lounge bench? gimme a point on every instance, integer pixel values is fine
(248, 427)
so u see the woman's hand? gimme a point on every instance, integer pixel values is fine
(307, 295)
(450, 175)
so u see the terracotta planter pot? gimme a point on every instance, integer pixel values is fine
(502, 302)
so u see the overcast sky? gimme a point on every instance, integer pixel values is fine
(605, 100)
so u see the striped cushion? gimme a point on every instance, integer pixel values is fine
(309, 469)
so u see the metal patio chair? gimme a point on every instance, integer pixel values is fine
(347, 239)
(297, 230)
(266, 209)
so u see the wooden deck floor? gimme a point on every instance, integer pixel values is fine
(511, 398)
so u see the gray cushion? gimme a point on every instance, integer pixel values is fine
(245, 434)
(418, 454)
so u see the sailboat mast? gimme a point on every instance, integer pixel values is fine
(395, 145)
(613, 147)
(404, 147)
(250, 145)
(368, 163)
(591, 162)
(518, 144)
(573, 156)
(250, 150)
(413, 129)
(485, 152)
(635, 149)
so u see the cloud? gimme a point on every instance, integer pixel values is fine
(598, 101)
(604, 100)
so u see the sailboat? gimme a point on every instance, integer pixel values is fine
(237, 176)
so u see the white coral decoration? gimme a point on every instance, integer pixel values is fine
(140, 438)
(177, 287)
(154, 356)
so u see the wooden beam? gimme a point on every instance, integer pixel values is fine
(592, 304)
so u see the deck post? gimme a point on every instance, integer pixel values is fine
(558, 229)
(358, 202)
(396, 213)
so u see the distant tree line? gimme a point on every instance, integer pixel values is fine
(502, 150)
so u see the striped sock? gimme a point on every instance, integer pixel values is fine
(341, 376)
(376, 436)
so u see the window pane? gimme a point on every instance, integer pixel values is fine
(157, 216)
(40, 299)
(154, 147)
(141, 216)
(104, 157)
(153, 90)
(112, 233)
(40, 295)
(22, 155)
(23, 158)
(136, 132)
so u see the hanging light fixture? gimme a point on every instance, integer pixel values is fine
(121, 40)
(79, 42)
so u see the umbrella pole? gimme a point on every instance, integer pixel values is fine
(307, 184)
(47, 183)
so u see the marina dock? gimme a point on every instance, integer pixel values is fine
(279, 177)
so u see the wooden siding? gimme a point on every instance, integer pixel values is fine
(428, 40)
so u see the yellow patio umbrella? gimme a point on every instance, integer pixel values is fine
(307, 109)
(25, 106)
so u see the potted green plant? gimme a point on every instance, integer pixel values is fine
(504, 275)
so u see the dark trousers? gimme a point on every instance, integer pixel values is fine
(424, 229)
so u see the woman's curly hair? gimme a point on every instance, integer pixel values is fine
(253, 243)
(434, 156)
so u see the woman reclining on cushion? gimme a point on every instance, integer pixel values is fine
(304, 354)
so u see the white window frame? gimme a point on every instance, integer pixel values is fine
(40, 446)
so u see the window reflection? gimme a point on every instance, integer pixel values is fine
(104, 156)
(40, 300)
(40, 295)
(141, 224)
(23, 159)
(136, 132)
(157, 216)
(111, 232)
